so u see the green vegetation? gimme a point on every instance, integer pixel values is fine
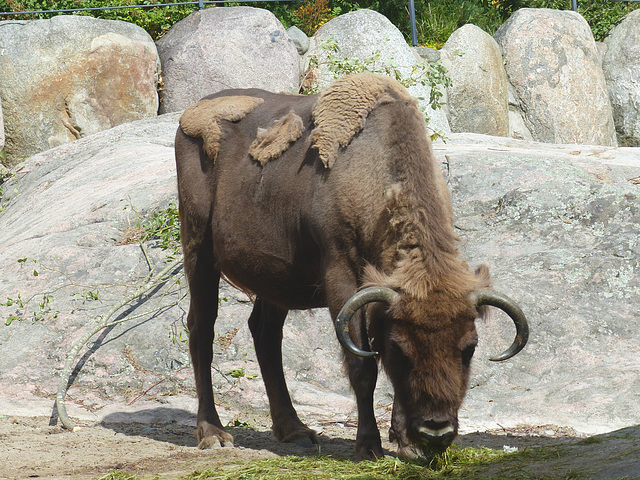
(539, 463)
(552, 462)
(155, 20)
(602, 15)
(435, 19)
(161, 226)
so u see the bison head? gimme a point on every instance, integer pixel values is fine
(425, 346)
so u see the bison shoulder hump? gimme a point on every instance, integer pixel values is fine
(203, 119)
(343, 108)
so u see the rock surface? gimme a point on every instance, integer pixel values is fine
(478, 99)
(557, 225)
(621, 67)
(1, 128)
(299, 39)
(72, 76)
(551, 60)
(365, 34)
(219, 48)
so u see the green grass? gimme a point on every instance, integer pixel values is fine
(454, 464)
(537, 463)
(458, 464)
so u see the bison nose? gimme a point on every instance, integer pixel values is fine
(436, 433)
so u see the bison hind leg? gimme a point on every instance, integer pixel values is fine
(266, 322)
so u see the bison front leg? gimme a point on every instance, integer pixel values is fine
(266, 322)
(363, 375)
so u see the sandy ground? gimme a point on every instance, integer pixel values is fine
(31, 447)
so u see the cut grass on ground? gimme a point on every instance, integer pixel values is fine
(539, 463)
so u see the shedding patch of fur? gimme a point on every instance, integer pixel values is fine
(203, 119)
(342, 110)
(272, 142)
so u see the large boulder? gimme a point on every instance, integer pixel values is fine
(621, 66)
(1, 127)
(366, 35)
(552, 62)
(71, 76)
(558, 226)
(478, 99)
(218, 48)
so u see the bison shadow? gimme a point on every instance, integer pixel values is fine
(177, 426)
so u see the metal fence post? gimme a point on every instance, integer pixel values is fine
(412, 19)
(200, 4)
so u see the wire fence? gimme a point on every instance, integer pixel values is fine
(200, 5)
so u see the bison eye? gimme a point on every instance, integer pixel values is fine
(400, 357)
(467, 353)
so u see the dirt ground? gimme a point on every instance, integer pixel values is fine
(32, 448)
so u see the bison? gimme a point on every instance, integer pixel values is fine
(332, 200)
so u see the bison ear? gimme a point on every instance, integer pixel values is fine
(203, 119)
(272, 142)
(343, 108)
(483, 277)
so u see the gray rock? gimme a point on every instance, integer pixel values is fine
(428, 53)
(622, 70)
(1, 127)
(517, 126)
(299, 39)
(71, 76)
(478, 99)
(219, 48)
(552, 61)
(365, 34)
(556, 224)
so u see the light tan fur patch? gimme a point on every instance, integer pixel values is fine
(203, 119)
(273, 141)
(342, 110)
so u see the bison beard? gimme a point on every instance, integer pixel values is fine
(332, 201)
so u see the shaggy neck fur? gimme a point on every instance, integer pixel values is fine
(422, 241)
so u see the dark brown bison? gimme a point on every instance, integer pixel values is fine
(332, 201)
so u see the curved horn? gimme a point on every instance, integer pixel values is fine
(504, 303)
(357, 301)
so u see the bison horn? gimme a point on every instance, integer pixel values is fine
(504, 303)
(357, 301)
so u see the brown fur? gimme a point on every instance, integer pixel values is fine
(271, 142)
(203, 119)
(342, 110)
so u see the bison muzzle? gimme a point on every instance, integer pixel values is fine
(333, 200)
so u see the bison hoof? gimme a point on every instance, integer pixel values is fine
(306, 442)
(213, 437)
(369, 454)
(305, 437)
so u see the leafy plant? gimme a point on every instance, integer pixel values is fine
(155, 20)
(161, 226)
(313, 14)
